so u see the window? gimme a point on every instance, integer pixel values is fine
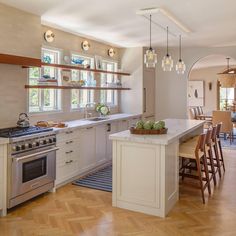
(226, 98)
(79, 98)
(108, 97)
(43, 100)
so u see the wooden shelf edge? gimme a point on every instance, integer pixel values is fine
(72, 87)
(20, 60)
(72, 67)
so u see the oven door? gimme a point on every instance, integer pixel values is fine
(32, 171)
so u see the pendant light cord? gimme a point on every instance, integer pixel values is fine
(167, 46)
(150, 32)
(180, 48)
(228, 64)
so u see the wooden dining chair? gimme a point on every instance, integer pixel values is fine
(192, 114)
(224, 117)
(195, 155)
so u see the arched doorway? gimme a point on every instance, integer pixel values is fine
(203, 86)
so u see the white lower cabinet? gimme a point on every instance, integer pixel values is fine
(67, 161)
(101, 143)
(111, 129)
(87, 159)
(123, 125)
(83, 149)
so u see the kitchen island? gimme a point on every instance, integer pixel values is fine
(146, 167)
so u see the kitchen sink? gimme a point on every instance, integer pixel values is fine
(97, 118)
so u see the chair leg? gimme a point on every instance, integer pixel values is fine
(207, 175)
(221, 155)
(200, 179)
(212, 165)
(217, 159)
(183, 172)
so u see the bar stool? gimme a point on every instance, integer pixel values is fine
(214, 146)
(197, 155)
(218, 145)
(209, 155)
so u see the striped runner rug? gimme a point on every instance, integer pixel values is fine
(101, 180)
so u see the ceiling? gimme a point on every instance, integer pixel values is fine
(212, 22)
(214, 61)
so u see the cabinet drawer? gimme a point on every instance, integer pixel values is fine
(67, 135)
(66, 152)
(66, 171)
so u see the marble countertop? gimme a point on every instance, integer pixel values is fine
(177, 128)
(83, 123)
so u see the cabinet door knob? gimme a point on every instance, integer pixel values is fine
(69, 152)
(68, 142)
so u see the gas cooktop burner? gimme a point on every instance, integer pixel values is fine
(18, 131)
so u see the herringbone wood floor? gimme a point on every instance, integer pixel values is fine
(85, 212)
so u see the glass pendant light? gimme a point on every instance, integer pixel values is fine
(167, 62)
(180, 66)
(150, 57)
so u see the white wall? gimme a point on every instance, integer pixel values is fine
(208, 75)
(171, 89)
(132, 61)
(22, 34)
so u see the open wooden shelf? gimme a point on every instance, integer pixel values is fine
(74, 67)
(19, 60)
(27, 62)
(72, 87)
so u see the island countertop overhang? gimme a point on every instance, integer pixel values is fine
(177, 128)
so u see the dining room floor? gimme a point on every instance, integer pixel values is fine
(74, 210)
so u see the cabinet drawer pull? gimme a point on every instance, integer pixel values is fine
(68, 162)
(124, 120)
(69, 142)
(89, 127)
(69, 152)
(69, 132)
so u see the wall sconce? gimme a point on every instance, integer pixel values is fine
(210, 86)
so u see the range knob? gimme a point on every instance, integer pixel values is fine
(41, 142)
(26, 145)
(37, 144)
(13, 148)
(45, 141)
(54, 140)
(30, 145)
(22, 147)
(17, 148)
(50, 140)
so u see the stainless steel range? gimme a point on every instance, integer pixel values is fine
(31, 162)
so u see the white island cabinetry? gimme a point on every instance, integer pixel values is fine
(146, 168)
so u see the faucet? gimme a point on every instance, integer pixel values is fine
(86, 113)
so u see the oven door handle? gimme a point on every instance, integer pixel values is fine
(36, 154)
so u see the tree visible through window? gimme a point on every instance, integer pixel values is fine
(108, 97)
(226, 97)
(41, 100)
(79, 98)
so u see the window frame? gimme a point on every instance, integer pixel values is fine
(57, 103)
(115, 95)
(91, 93)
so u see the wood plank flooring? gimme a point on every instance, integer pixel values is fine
(80, 211)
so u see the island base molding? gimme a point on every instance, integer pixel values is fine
(145, 177)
